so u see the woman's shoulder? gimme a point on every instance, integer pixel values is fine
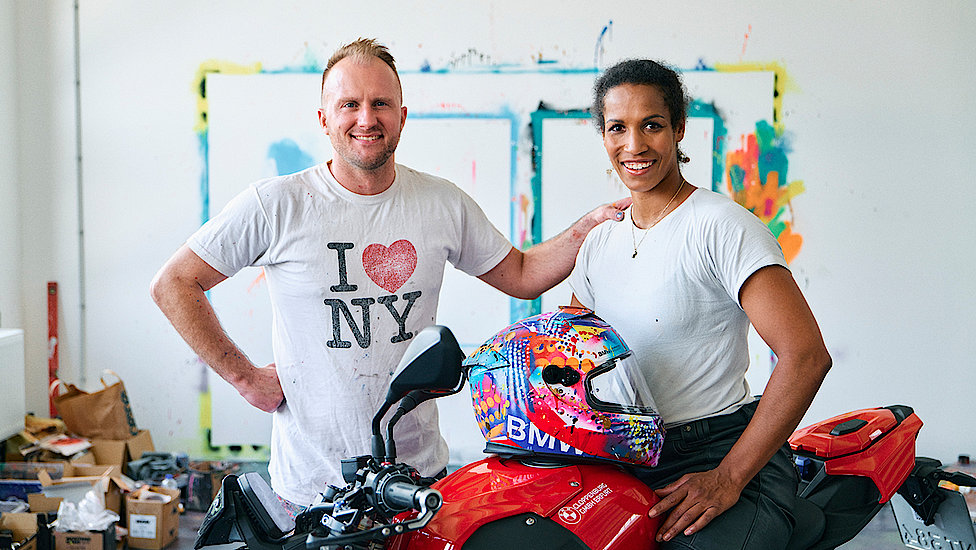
(603, 232)
(708, 199)
(720, 208)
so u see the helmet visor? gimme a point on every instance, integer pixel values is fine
(619, 386)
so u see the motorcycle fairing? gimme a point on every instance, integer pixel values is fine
(844, 434)
(245, 510)
(526, 530)
(492, 488)
(587, 500)
(611, 510)
(875, 443)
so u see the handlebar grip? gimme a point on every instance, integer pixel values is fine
(404, 496)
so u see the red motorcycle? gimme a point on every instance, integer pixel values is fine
(849, 466)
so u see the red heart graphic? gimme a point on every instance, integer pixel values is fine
(390, 267)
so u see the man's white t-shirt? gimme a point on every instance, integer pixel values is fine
(352, 279)
(676, 304)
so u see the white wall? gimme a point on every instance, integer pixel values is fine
(878, 109)
(38, 211)
(10, 258)
(48, 206)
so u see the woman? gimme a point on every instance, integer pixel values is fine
(681, 280)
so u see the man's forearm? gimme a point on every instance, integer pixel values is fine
(179, 289)
(528, 274)
(548, 263)
(186, 306)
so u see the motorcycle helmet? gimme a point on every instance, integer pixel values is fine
(563, 385)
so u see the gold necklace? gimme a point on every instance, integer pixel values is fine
(660, 217)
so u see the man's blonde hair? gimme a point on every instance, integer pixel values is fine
(361, 50)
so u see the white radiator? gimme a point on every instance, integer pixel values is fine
(13, 403)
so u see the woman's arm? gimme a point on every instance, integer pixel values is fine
(781, 316)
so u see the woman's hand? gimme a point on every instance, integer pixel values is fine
(694, 500)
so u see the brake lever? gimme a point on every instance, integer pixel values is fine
(428, 507)
(312, 516)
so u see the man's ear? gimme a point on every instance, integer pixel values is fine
(403, 116)
(322, 124)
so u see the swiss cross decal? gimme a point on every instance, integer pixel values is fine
(390, 267)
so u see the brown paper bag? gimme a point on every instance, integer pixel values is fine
(104, 414)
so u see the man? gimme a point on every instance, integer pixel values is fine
(354, 252)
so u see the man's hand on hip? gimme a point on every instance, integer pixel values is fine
(262, 388)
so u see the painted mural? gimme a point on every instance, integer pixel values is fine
(751, 166)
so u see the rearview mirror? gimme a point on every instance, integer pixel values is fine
(432, 363)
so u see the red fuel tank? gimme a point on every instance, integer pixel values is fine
(592, 506)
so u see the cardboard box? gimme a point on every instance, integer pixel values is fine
(153, 524)
(18, 480)
(117, 486)
(23, 481)
(85, 540)
(24, 529)
(78, 479)
(29, 530)
(28, 470)
(84, 458)
(118, 452)
(39, 502)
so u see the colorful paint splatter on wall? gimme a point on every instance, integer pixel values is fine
(755, 172)
(756, 175)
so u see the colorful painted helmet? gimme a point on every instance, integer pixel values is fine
(564, 384)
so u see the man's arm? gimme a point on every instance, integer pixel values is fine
(779, 313)
(528, 274)
(179, 290)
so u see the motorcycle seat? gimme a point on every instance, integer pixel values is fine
(809, 527)
(264, 506)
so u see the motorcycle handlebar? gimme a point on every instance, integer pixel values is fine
(403, 496)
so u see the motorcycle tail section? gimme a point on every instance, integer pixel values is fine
(851, 464)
